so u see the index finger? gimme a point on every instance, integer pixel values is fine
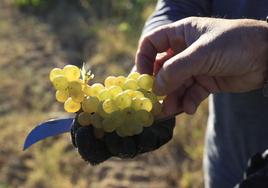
(159, 40)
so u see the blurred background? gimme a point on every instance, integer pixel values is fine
(38, 35)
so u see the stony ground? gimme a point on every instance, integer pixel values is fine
(30, 45)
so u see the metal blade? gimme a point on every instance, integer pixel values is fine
(47, 129)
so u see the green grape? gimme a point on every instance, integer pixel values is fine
(71, 72)
(71, 106)
(90, 104)
(142, 104)
(87, 90)
(134, 75)
(122, 131)
(74, 87)
(55, 72)
(96, 120)
(137, 94)
(112, 122)
(104, 94)
(110, 81)
(60, 82)
(109, 106)
(123, 100)
(132, 93)
(114, 91)
(78, 97)
(62, 95)
(134, 128)
(144, 118)
(96, 88)
(84, 118)
(130, 84)
(119, 81)
(101, 111)
(145, 81)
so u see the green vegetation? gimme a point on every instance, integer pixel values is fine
(104, 34)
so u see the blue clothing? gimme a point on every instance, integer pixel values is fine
(238, 123)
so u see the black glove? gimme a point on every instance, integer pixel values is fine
(256, 175)
(96, 150)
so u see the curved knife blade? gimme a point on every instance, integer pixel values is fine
(47, 129)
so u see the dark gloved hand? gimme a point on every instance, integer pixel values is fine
(96, 150)
(256, 175)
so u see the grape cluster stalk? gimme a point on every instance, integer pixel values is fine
(122, 104)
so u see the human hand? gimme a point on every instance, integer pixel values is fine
(97, 150)
(210, 55)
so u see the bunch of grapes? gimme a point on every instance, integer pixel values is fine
(122, 104)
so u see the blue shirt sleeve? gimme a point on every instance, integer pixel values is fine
(168, 11)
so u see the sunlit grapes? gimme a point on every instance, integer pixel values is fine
(62, 95)
(55, 72)
(123, 105)
(60, 82)
(71, 106)
(71, 72)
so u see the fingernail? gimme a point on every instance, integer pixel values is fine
(159, 85)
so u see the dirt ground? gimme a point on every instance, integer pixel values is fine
(30, 45)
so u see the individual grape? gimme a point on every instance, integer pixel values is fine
(109, 106)
(96, 88)
(90, 104)
(71, 106)
(84, 118)
(130, 84)
(145, 81)
(60, 82)
(101, 111)
(55, 72)
(87, 90)
(123, 100)
(137, 94)
(112, 122)
(134, 128)
(110, 81)
(134, 75)
(114, 91)
(136, 104)
(104, 94)
(144, 118)
(74, 87)
(96, 120)
(71, 72)
(122, 131)
(78, 97)
(142, 104)
(62, 95)
(119, 81)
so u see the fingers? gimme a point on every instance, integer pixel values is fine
(161, 59)
(193, 97)
(178, 69)
(159, 40)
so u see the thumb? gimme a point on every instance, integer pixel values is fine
(178, 69)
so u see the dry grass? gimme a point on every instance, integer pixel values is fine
(29, 47)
